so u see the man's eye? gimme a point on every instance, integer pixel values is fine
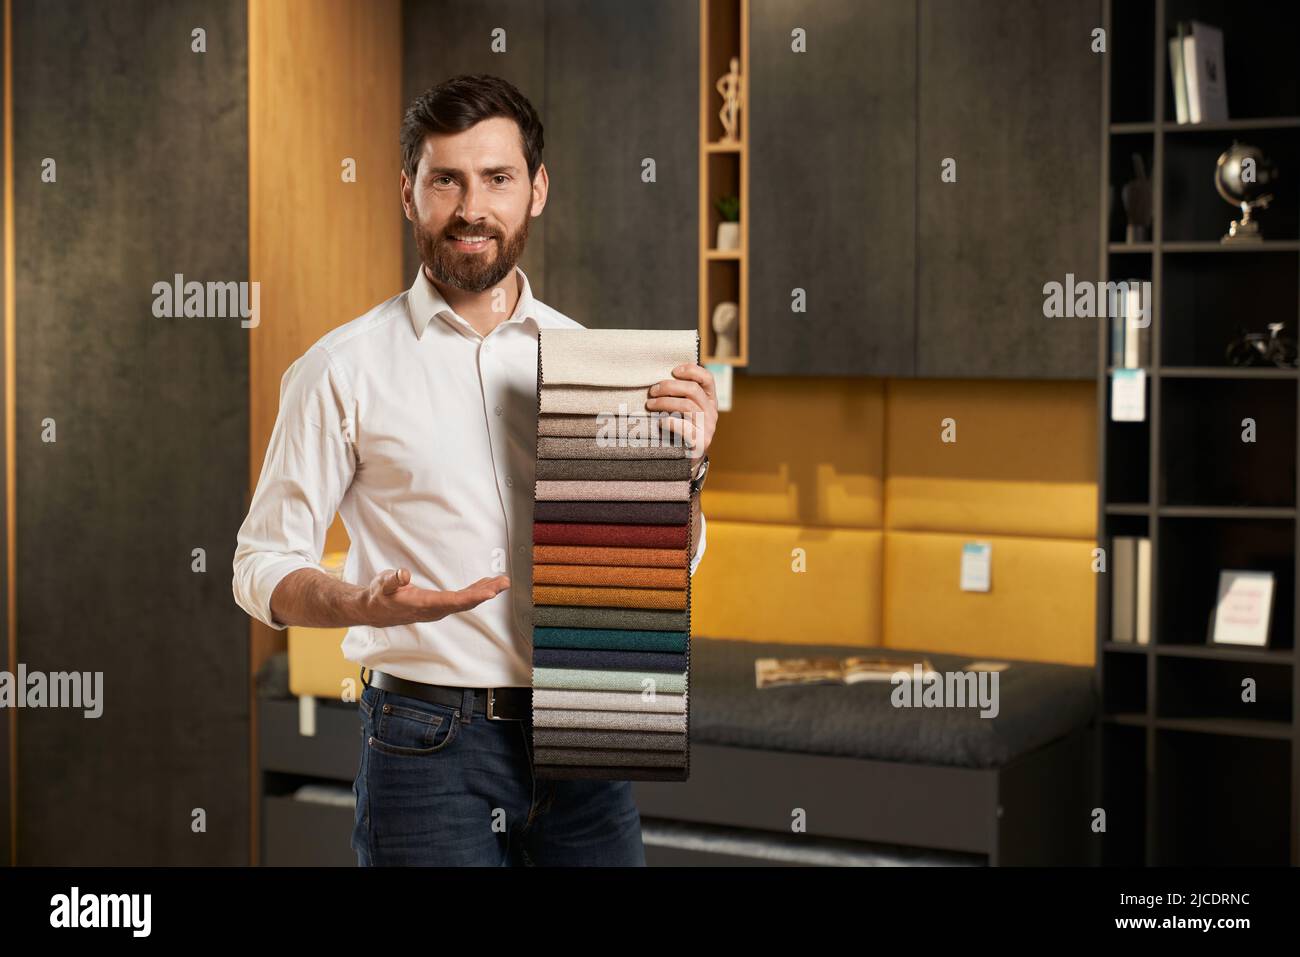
(501, 179)
(441, 179)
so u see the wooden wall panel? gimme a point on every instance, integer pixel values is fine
(8, 741)
(324, 85)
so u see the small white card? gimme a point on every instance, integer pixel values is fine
(1128, 395)
(976, 566)
(722, 379)
(1242, 614)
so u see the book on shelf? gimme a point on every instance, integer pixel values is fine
(1203, 73)
(1130, 329)
(1130, 596)
(1177, 72)
(1143, 623)
(776, 672)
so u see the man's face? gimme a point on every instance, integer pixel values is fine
(471, 204)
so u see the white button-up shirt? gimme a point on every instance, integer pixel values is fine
(422, 435)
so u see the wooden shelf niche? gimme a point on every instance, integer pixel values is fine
(724, 171)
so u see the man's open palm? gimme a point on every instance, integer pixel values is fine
(391, 599)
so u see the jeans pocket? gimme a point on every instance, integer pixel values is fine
(409, 727)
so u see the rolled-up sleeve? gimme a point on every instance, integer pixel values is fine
(309, 465)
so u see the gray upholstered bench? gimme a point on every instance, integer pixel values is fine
(1015, 788)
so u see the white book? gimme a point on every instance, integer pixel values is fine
(1207, 89)
(1178, 75)
(1122, 584)
(1143, 616)
(1136, 339)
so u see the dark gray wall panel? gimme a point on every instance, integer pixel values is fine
(151, 459)
(622, 83)
(444, 38)
(1011, 90)
(832, 204)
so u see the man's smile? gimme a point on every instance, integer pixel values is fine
(470, 242)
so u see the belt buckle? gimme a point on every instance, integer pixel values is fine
(490, 698)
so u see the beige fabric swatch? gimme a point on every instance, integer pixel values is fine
(615, 357)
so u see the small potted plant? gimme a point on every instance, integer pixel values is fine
(729, 226)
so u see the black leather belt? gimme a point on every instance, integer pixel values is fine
(495, 704)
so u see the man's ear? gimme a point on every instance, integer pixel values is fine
(408, 200)
(540, 184)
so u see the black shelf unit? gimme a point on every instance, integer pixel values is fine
(1190, 774)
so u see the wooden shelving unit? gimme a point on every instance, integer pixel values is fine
(724, 170)
(1191, 774)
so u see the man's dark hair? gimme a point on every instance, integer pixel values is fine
(455, 105)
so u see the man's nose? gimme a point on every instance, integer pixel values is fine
(471, 201)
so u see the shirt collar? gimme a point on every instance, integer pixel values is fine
(424, 302)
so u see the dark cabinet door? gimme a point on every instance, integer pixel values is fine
(832, 201)
(1010, 90)
(622, 86)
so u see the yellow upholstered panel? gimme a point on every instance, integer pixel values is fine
(1040, 606)
(745, 587)
(1024, 463)
(799, 452)
(316, 663)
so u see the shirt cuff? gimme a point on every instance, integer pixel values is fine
(254, 585)
(699, 548)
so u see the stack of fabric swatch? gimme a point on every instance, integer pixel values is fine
(613, 534)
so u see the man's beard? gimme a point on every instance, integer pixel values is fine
(470, 272)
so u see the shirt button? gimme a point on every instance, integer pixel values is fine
(499, 410)
(510, 481)
(487, 347)
(522, 549)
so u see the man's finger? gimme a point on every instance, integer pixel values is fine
(394, 580)
(449, 602)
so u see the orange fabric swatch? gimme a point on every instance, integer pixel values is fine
(609, 597)
(627, 576)
(608, 555)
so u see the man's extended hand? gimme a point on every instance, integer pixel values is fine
(692, 392)
(391, 599)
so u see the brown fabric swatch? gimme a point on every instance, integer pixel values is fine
(642, 619)
(656, 470)
(589, 555)
(615, 758)
(590, 426)
(623, 513)
(562, 447)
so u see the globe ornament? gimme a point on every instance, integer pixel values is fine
(1245, 177)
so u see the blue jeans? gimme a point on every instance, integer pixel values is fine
(442, 787)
